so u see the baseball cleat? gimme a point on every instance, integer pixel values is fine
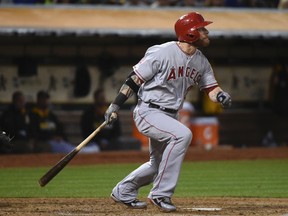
(164, 203)
(135, 204)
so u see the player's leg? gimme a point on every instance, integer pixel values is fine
(165, 128)
(127, 189)
(178, 140)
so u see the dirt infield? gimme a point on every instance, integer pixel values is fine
(101, 207)
(105, 206)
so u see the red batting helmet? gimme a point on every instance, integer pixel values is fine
(187, 25)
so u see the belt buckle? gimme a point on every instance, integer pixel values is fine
(162, 108)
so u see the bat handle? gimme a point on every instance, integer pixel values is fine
(113, 117)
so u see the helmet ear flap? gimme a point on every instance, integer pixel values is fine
(193, 35)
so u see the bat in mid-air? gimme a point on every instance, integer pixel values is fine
(47, 177)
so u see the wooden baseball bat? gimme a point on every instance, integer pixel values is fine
(47, 177)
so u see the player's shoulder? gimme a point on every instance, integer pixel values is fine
(162, 47)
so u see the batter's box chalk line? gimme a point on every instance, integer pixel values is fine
(73, 214)
(203, 209)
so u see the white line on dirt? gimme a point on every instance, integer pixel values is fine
(203, 209)
(72, 214)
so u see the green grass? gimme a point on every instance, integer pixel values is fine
(255, 178)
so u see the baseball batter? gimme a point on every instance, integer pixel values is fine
(162, 79)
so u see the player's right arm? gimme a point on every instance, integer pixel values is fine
(130, 86)
(216, 94)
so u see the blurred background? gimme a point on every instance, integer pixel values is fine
(70, 49)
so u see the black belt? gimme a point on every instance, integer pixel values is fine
(151, 105)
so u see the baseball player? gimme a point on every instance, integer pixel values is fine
(161, 80)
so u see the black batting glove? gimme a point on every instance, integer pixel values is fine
(224, 98)
(111, 114)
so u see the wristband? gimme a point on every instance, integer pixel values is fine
(120, 99)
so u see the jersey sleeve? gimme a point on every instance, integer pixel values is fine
(208, 79)
(148, 66)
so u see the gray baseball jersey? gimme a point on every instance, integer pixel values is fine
(168, 74)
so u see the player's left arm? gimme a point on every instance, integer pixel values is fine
(216, 94)
(130, 86)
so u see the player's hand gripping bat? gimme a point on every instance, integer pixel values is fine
(47, 177)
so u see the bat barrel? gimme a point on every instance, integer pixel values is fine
(47, 177)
